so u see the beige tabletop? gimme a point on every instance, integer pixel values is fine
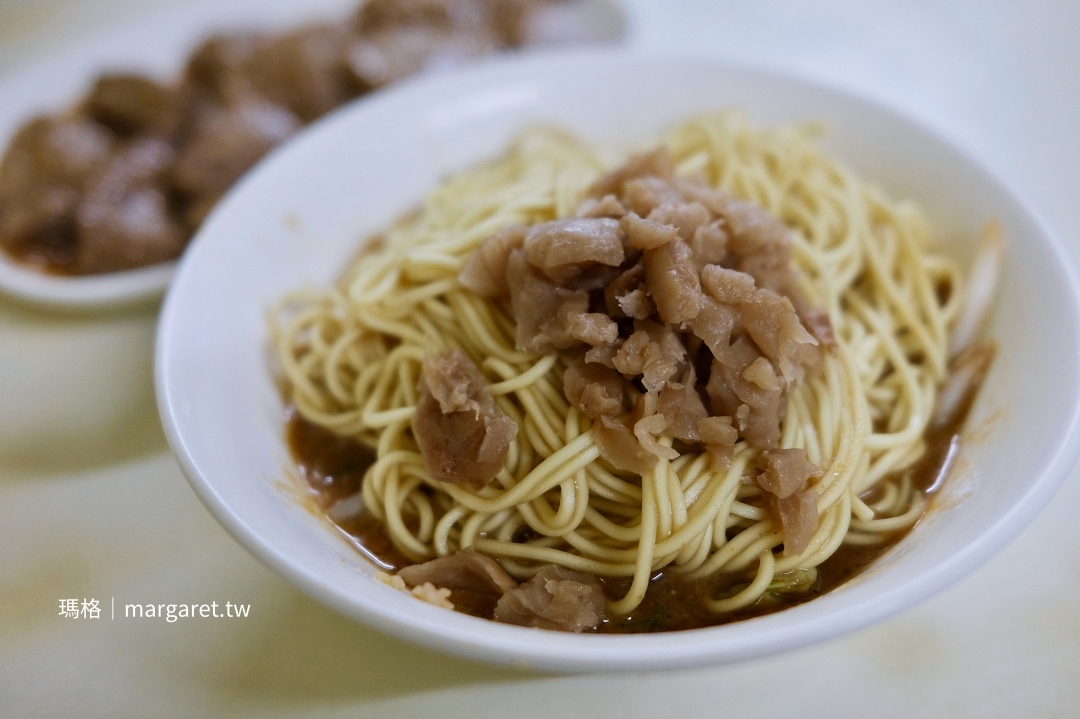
(92, 504)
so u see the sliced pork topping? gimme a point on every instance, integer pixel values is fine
(673, 282)
(563, 248)
(666, 290)
(485, 272)
(683, 409)
(717, 430)
(657, 163)
(463, 436)
(785, 471)
(606, 206)
(461, 571)
(715, 323)
(708, 245)
(555, 598)
(646, 234)
(619, 446)
(645, 194)
(686, 217)
(593, 389)
(797, 518)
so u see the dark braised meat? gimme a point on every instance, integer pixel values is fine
(555, 598)
(221, 144)
(123, 220)
(239, 96)
(41, 183)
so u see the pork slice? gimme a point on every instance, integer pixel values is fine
(644, 194)
(134, 104)
(665, 336)
(647, 429)
(694, 190)
(640, 355)
(717, 431)
(536, 302)
(760, 244)
(753, 228)
(606, 206)
(594, 277)
(797, 518)
(463, 436)
(734, 363)
(570, 320)
(636, 304)
(630, 279)
(785, 471)
(672, 282)
(632, 355)
(563, 248)
(646, 234)
(603, 354)
(681, 405)
(485, 270)
(761, 373)
(797, 348)
(593, 389)
(592, 328)
(656, 163)
(714, 324)
(686, 217)
(555, 598)
(619, 446)
(464, 570)
(728, 286)
(709, 245)
(760, 315)
(759, 422)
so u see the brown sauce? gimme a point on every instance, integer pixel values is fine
(334, 468)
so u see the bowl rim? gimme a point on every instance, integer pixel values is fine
(492, 642)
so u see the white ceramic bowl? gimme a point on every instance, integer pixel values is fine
(299, 216)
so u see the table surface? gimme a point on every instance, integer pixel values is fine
(93, 505)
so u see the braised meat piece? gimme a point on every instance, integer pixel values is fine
(796, 517)
(555, 598)
(461, 571)
(303, 71)
(485, 271)
(680, 293)
(135, 105)
(463, 436)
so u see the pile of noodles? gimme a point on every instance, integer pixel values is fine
(353, 353)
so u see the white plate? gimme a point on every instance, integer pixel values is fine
(303, 212)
